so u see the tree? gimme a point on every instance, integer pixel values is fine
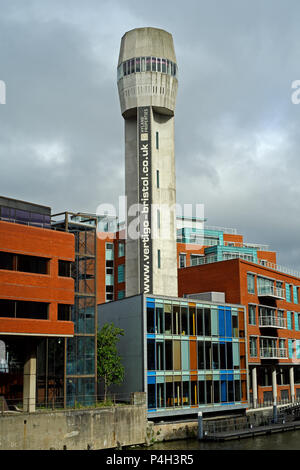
(109, 364)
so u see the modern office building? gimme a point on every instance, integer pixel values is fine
(147, 84)
(270, 293)
(36, 295)
(186, 354)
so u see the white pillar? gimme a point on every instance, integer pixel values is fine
(29, 385)
(254, 386)
(274, 385)
(292, 384)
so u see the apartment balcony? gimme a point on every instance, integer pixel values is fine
(273, 353)
(271, 291)
(271, 321)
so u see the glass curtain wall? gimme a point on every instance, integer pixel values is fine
(80, 386)
(196, 354)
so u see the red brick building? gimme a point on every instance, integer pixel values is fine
(272, 302)
(36, 290)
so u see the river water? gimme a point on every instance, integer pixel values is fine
(289, 440)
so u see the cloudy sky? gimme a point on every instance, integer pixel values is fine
(237, 130)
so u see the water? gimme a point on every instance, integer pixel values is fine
(289, 440)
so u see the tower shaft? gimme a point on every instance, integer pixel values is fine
(147, 82)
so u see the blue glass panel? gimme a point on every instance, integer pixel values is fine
(221, 322)
(5, 212)
(290, 343)
(228, 323)
(223, 391)
(151, 379)
(22, 216)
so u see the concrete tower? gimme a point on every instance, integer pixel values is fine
(147, 84)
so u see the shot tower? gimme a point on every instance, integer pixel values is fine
(147, 84)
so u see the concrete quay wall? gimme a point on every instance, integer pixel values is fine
(94, 429)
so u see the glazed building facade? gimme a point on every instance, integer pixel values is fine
(271, 299)
(186, 355)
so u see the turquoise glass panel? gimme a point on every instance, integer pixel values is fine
(185, 361)
(214, 322)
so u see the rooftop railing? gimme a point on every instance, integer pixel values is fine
(266, 264)
(277, 267)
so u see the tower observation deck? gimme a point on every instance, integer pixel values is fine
(147, 84)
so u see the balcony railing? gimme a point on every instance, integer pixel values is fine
(273, 353)
(271, 291)
(272, 321)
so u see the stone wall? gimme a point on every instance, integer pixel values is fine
(94, 429)
(159, 432)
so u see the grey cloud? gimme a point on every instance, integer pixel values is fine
(237, 132)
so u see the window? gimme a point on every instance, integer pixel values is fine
(151, 354)
(200, 321)
(6, 260)
(109, 251)
(63, 312)
(169, 354)
(121, 273)
(288, 292)
(289, 316)
(157, 178)
(148, 64)
(184, 320)
(282, 347)
(160, 355)
(64, 268)
(295, 294)
(153, 67)
(138, 64)
(150, 318)
(24, 263)
(121, 294)
(280, 318)
(297, 321)
(250, 283)
(253, 346)
(182, 260)
(24, 309)
(132, 66)
(158, 218)
(121, 249)
(158, 259)
(157, 140)
(159, 321)
(176, 320)
(252, 314)
(207, 322)
(200, 348)
(195, 259)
